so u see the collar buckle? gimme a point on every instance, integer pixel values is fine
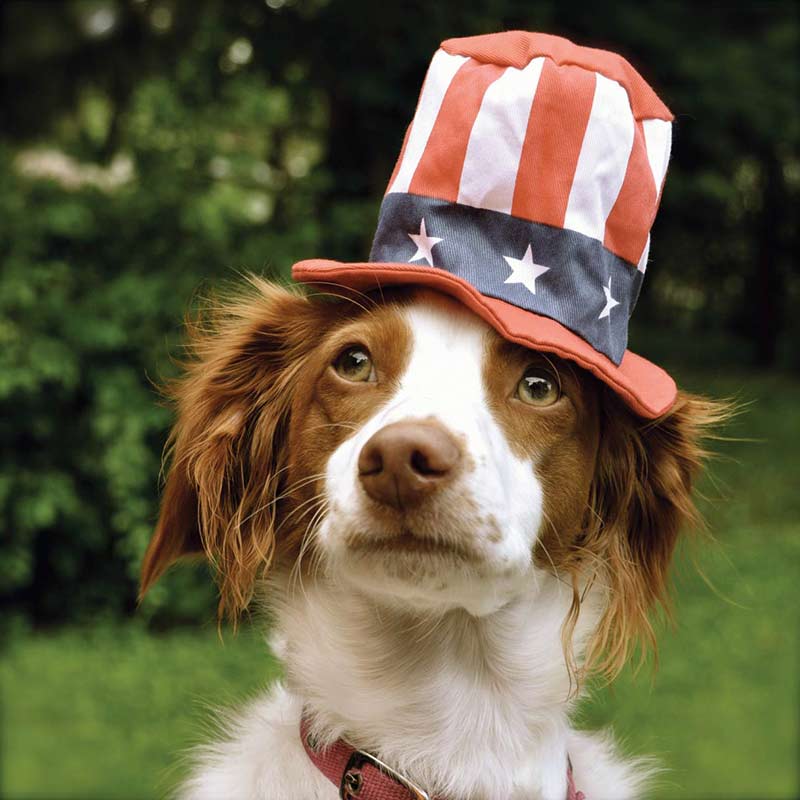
(352, 780)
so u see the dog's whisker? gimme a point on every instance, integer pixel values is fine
(346, 297)
(301, 509)
(275, 500)
(349, 425)
(306, 543)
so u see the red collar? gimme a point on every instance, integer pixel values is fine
(361, 776)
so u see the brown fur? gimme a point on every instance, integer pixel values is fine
(617, 492)
(560, 440)
(639, 501)
(239, 464)
(227, 446)
(326, 408)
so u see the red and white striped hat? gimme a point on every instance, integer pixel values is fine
(526, 187)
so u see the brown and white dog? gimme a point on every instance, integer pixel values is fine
(449, 531)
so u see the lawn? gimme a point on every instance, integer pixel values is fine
(104, 712)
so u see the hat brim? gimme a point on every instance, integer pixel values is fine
(646, 388)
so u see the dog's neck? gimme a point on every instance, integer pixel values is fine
(465, 706)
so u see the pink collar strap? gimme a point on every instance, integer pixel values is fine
(361, 776)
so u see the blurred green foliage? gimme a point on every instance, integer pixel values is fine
(101, 259)
(151, 148)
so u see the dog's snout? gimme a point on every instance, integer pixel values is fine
(406, 461)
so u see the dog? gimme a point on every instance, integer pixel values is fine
(451, 529)
(454, 488)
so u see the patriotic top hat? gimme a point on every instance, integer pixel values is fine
(526, 187)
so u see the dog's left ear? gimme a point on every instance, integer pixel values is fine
(640, 500)
(228, 454)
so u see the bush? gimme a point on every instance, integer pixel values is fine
(100, 265)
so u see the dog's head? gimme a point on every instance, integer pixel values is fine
(403, 446)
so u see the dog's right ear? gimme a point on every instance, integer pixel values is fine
(227, 446)
(641, 500)
(177, 533)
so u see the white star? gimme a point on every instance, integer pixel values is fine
(610, 301)
(424, 244)
(524, 270)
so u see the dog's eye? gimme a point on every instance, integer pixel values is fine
(354, 364)
(537, 387)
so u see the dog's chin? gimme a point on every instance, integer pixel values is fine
(425, 573)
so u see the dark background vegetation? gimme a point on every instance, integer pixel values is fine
(153, 149)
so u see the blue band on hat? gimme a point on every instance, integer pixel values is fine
(567, 276)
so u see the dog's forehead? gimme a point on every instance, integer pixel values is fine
(440, 325)
(447, 348)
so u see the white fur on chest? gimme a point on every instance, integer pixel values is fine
(461, 704)
(437, 703)
(259, 756)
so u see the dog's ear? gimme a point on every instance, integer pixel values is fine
(640, 500)
(227, 455)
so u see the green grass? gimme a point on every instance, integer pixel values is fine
(105, 712)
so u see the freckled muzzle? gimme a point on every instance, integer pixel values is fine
(405, 462)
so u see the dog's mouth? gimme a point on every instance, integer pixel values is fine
(408, 542)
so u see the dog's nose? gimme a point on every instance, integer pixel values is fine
(406, 461)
